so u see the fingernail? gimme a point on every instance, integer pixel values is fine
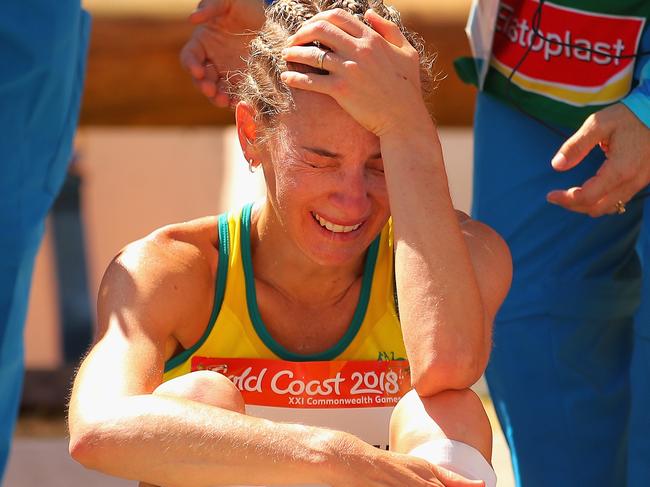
(575, 193)
(559, 160)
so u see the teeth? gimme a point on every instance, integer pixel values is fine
(333, 227)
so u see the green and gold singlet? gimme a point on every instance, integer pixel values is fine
(352, 386)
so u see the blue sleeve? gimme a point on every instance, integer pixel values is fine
(268, 2)
(639, 98)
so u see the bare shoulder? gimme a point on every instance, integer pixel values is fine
(151, 290)
(158, 284)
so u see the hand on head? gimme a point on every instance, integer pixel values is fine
(625, 140)
(373, 71)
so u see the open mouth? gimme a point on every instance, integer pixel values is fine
(333, 227)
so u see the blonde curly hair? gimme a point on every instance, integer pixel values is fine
(260, 84)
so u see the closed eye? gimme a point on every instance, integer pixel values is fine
(322, 152)
(320, 165)
(321, 158)
(320, 162)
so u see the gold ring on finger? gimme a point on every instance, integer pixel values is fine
(620, 207)
(321, 58)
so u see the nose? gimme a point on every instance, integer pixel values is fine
(351, 195)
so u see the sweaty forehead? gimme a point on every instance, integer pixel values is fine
(319, 118)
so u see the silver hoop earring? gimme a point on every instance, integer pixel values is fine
(251, 168)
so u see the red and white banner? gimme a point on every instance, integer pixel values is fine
(322, 385)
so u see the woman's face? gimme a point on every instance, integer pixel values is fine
(325, 181)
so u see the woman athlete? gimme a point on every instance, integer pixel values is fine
(284, 342)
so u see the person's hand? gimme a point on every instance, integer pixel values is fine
(363, 465)
(219, 43)
(372, 72)
(625, 140)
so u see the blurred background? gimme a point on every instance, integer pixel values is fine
(150, 150)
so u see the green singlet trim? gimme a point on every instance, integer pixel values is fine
(260, 327)
(219, 292)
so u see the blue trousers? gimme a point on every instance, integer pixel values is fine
(42, 60)
(570, 372)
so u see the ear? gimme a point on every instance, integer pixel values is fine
(246, 130)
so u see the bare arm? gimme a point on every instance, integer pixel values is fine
(451, 276)
(118, 427)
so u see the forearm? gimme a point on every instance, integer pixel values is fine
(173, 442)
(440, 303)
